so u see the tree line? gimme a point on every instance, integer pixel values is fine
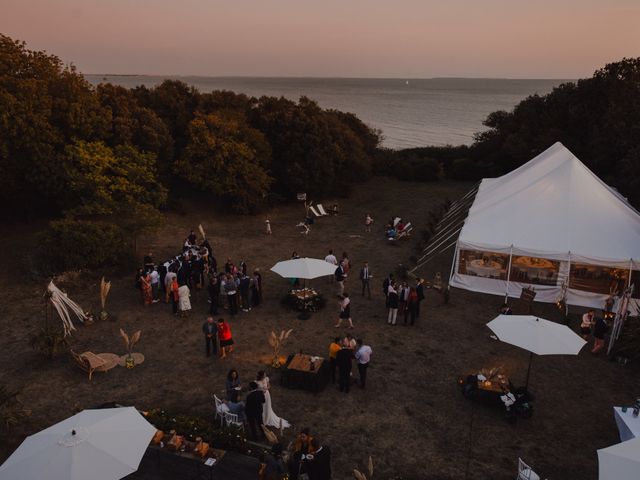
(102, 161)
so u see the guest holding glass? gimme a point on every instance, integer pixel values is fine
(232, 385)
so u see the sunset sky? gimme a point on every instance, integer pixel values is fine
(331, 38)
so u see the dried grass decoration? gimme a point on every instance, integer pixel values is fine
(361, 476)
(104, 293)
(204, 237)
(65, 307)
(276, 343)
(129, 342)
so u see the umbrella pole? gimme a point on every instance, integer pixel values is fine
(526, 386)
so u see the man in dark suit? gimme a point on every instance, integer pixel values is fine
(365, 276)
(253, 410)
(344, 359)
(320, 464)
(385, 288)
(210, 330)
(420, 293)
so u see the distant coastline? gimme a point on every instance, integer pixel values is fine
(433, 111)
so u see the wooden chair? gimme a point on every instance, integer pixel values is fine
(91, 362)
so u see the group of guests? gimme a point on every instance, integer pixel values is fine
(196, 268)
(342, 353)
(217, 337)
(402, 298)
(395, 227)
(306, 457)
(256, 409)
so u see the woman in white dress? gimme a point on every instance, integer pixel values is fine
(269, 418)
(184, 303)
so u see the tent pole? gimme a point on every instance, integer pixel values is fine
(453, 264)
(506, 295)
(630, 272)
(526, 385)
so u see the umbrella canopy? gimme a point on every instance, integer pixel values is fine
(105, 444)
(620, 461)
(305, 268)
(536, 335)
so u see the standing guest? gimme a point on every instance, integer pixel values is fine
(256, 293)
(155, 285)
(210, 330)
(168, 282)
(587, 324)
(232, 385)
(334, 347)
(184, 303)
(345, 311)
(346, 263)
(268, 226)
(420, 293)
(393, 305)
(599, 330)
(343, 360)
(363, 356)
(145, 287)
(192, 238)
(368, 222)
(411, 307)
(224, 335)
(228, 266)
(175, 295)
(403, 294)
(340, 277)
(301, 446)
(385, 288)
(214, 294)
(230, 287)
(243, 267)
(245, 292)
(253, 410)
(320, 463)
(365, 276)
(331, 258)
(148, 262)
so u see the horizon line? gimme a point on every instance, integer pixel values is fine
(312, 77)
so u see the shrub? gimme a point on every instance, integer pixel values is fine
(75, 244)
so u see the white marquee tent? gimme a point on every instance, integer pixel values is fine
(551, 224)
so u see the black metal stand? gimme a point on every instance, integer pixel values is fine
(526, 385)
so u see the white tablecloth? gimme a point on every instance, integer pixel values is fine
(491, 269)
(628, 425)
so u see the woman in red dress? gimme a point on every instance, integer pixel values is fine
(226, 340)
(145, 287)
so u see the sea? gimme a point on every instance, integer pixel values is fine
(409, 112)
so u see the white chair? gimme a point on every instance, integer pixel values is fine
(396, 221)
(321, 209)
(219, 410)
(232, 419)
(314, 211)
(525, 472)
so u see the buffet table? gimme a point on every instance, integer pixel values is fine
(305, 299)
(305, 372)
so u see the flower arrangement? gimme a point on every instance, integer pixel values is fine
(276, 342)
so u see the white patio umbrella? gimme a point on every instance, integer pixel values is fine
(536, 335)
(104, 444)
(620, 461)
(305, 268)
